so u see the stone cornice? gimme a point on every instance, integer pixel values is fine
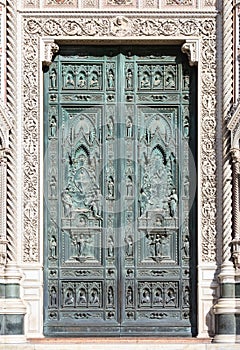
(111, 12)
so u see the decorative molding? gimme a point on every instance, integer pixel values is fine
(5, 127)
(31, 3)
(227, 98)
(179, 2)
(11, 96)
(191, 48)
(234, 127)
(120, 2)
(59, 3)
(210, 3)
(108, 27)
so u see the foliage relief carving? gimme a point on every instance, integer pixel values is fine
(118, 27)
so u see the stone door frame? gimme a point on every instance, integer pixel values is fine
(40, 38)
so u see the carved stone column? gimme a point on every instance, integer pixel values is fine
(236, 207)
(225, 309)
(3, 194)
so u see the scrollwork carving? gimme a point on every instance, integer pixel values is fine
(107, 27)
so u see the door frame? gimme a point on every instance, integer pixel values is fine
(193, 204)
(198, 37)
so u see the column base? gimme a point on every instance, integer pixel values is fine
(12, 339)
(226, 338)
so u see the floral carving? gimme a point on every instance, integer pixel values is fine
(60, 2)
(119, 2)
(210, 2)
(31, 3)
(179, 2)
(107, 27)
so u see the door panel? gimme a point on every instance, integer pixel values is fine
(119, 192)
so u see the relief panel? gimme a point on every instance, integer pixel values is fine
(118, 240)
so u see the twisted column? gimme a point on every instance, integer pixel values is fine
(236, 232)
(227, 96)
(3, 240)
(11, 88)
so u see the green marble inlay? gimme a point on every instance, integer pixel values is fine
(228, 290)
(12, 291)
(11, 324)
(225, 324)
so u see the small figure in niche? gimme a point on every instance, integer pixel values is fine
(129, 296)
(53, 126)
(129, 127)
(69, 299)
(67, 202)
(53, 297)
(129, 186)
(158, 297)
(82, 296)
(144, 201)
(157, 80)
(81, 245)
(186, 246)
(88, 249)
(53, 247)
(170, 81)
(151, 245)
(82, 81)
(95, 204)
(158, 221)
(53, 79)
(186, 126)
(110, 186)
(53, 186)
(110, 295)
(110, 79)
(145, 82)
(170, 299)
(129, 78)
(94, 299)
(69, 80)
(129, 247)
(186, 296)
(186, 81)
(145, 297)
(173, 200)
(110, 247)
(158, 245)
(110, 128)
(94, 81)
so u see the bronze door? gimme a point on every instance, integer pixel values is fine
(120, 239)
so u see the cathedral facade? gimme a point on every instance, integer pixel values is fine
(119, 162)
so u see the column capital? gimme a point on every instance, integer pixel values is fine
(49, 49)
(191, 48)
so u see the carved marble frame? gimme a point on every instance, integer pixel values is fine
(198, 36)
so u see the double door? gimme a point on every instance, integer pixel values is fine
(119, 191)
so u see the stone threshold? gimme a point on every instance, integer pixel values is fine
(121, 340)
